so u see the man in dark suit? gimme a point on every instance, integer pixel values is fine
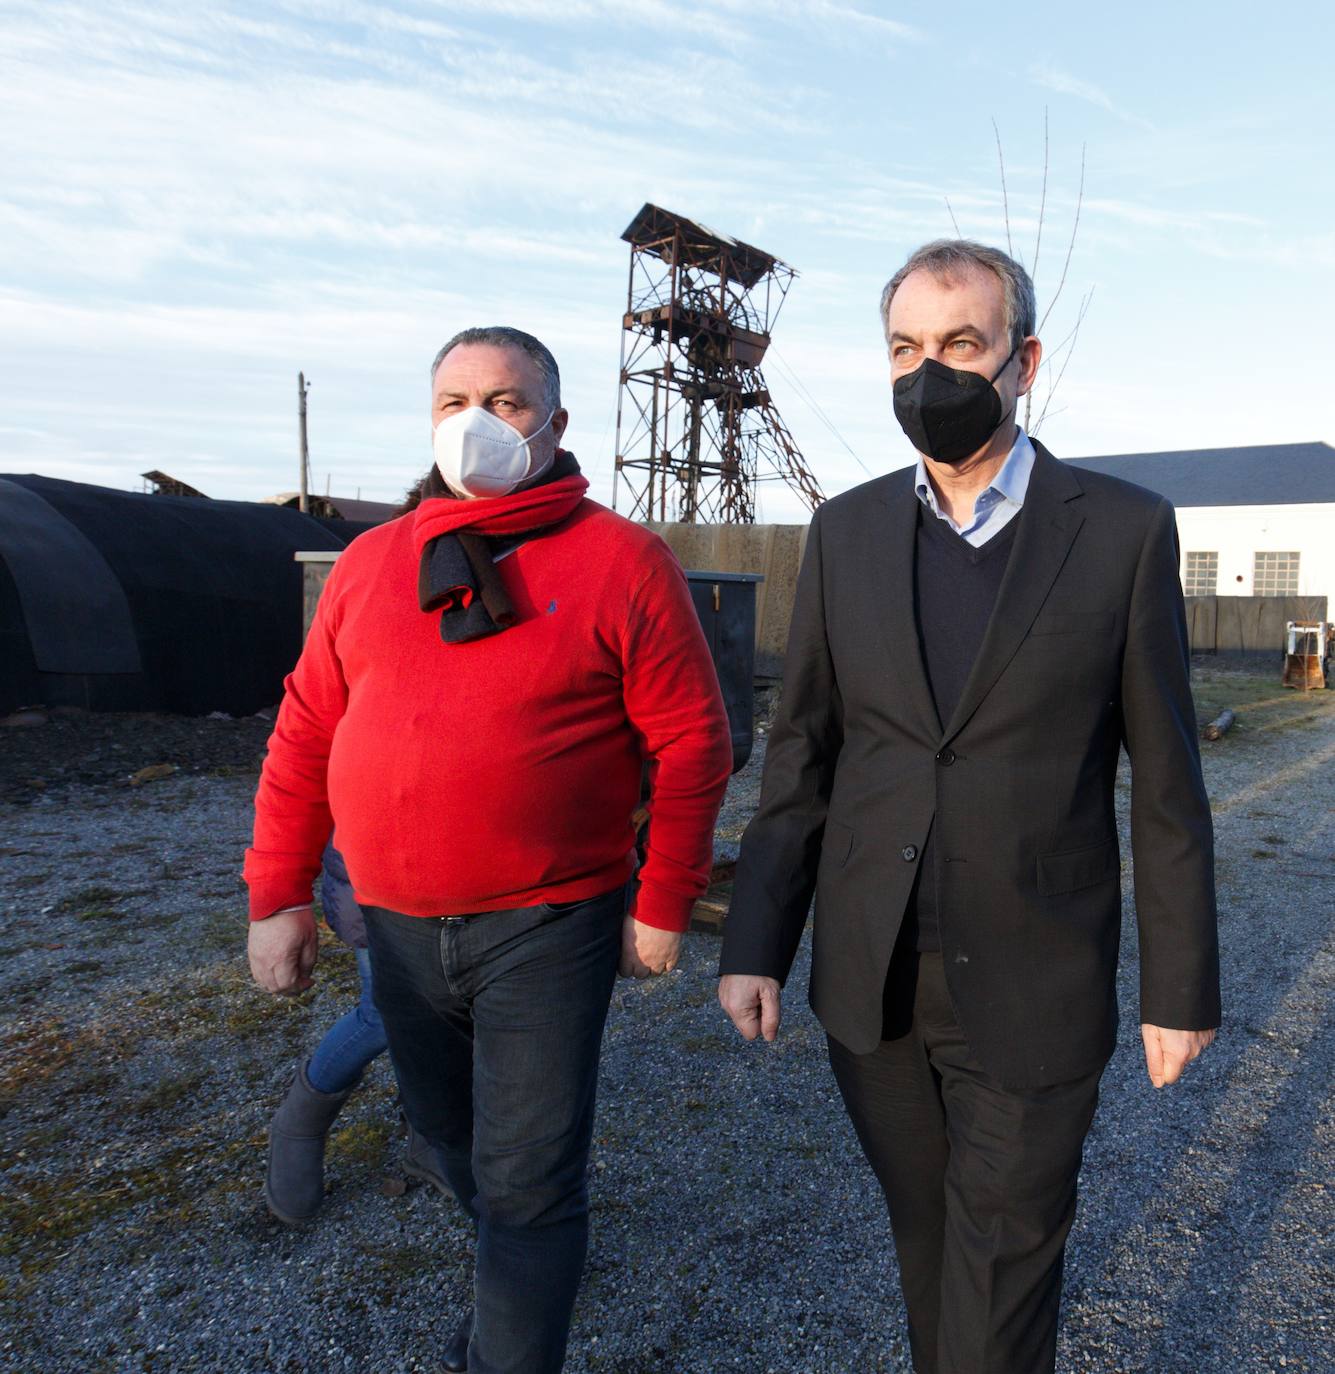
(972, 643)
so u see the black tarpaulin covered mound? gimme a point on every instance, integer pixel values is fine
(116, 601)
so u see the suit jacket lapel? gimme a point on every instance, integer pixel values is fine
(1046, 528)
(891, 559)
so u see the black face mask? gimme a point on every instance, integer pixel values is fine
(946, 412)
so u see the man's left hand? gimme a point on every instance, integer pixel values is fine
(647, 951)
(1168, 1052)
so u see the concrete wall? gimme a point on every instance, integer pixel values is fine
(1217, 624)
(315, 570)
(1247, 624)
(773, 551)
(1238, 533)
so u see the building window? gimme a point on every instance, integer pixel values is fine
(1202, 574)
(1275, 574)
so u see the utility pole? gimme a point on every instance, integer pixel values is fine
(303, 387)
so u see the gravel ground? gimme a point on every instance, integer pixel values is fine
(735, 1224)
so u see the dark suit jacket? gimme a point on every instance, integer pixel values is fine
(1086, 651)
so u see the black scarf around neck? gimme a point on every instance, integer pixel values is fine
(457, 573)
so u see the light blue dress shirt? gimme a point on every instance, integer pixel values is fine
(996, 506)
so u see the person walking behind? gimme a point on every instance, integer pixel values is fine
(294, 1177)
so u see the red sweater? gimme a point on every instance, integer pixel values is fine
(501, 772)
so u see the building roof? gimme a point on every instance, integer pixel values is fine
(1253, 475)
(164, 484)
(336, 507)
(131, 601)
(369, 512)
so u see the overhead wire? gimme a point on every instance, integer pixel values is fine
(791, 377)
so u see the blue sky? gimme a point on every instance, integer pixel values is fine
(198, 201)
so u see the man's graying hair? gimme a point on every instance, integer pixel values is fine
(498, 336)
(946, 258)
(503, 336)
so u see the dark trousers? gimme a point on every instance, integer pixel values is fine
(494, 1024)
(980, 1181)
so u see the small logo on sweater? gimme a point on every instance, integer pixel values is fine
(551, 608)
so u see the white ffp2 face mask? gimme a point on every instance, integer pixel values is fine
(479, 454)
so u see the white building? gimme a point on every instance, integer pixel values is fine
(1255, 521)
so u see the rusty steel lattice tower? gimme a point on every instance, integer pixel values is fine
(696, 428)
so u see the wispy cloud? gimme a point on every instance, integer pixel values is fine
(199, 200)
(830, 16)
(1064, 83)
(1156, 216)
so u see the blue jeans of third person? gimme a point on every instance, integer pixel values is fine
(352, 1042)
(495, 1022)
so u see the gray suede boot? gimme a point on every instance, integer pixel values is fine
(294, 1183)
(420, 1161)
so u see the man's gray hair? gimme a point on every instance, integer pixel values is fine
(947, 258)
(503, 336)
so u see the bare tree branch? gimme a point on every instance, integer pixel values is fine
(1079, 202)
(1067, 345)
(1074, 337)
(1005, 198)
(1053, 353)
(1043, 198)
(951, 212)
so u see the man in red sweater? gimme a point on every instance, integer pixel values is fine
(484, 681)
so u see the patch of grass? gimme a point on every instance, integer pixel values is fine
(257, 1013)
(195, 1007)
(33, 988)
(96, 1083)
(87, 896)
(397, 1261)
(84, 967)
(364, 1142)
(336, 974)
(129, 930)
(32, 880)
(1273, 839)
(37, 1139)
(41, 1215)
(1215, 690)
(1263, 854)
(224, 931)
(91, 903)
(35, 1054)
(167, 1093)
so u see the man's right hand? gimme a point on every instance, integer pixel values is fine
(282, 949)
(752, 1004)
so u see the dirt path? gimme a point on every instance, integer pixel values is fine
(735, 1224)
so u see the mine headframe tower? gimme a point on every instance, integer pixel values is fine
(696, 427)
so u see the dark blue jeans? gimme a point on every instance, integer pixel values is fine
(495, 1023)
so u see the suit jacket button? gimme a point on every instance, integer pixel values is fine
(946, 757)
(909, 853)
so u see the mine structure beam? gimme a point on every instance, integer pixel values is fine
(697, 429)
